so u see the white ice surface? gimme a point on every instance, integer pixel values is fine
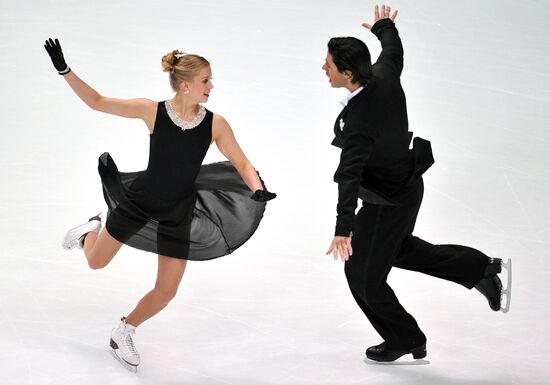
(277, 311)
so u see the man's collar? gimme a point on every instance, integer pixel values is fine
(346, 100)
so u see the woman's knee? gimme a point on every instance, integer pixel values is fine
(96, 261)
(96, 264)
(166, 293)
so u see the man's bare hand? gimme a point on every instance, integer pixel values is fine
(381, 13)
(340, 246)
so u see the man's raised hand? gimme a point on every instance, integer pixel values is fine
(381, 13)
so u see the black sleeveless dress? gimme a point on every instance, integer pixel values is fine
(178, 207)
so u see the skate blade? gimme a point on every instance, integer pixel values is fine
(131, 368)
(506, 293)
(399, 362)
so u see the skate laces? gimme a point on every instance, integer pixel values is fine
(129, 341)
(127, 332)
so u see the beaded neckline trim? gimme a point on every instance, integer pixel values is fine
(184, 124)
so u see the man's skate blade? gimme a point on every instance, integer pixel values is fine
(131, 368)
(507, 292)
(399, 362)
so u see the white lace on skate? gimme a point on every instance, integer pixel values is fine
(506, 292)
(74, 235)
(123, 344)
(130, 347)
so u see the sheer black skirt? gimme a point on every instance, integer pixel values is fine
(212, 222)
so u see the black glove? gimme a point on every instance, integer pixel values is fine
(263, 196)
(56, 54)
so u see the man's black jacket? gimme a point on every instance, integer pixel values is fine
(376, 164)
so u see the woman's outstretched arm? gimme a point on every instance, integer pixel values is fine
(144, 109)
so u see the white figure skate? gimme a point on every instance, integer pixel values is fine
(75, 236)
(123, 345)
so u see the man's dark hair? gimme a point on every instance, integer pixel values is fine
(351, 54)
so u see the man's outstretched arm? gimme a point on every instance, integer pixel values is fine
(385, 30)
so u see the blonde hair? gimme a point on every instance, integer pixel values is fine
(182, 67)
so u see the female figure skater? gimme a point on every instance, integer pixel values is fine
(175, 208)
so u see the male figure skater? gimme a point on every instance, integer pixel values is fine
(377, 166)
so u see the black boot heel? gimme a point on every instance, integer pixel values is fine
(419, 352)
(494, 267)
(383, 353)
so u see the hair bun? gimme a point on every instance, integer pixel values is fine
(170, 60)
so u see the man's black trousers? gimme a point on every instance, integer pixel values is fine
(383, 239)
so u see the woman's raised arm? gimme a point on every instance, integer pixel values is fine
(141, 108)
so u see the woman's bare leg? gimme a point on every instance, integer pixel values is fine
(100, 249)
(169, 275)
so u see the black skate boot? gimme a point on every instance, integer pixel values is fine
(383, 353)
(491, 286)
